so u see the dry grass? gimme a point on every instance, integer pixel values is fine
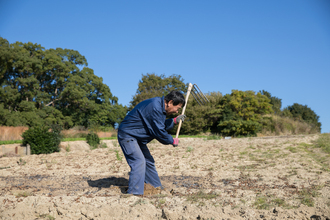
(286, 126)
(102, 134)
(11, 133)
(78, 133)
(74, 133)
(14, 133)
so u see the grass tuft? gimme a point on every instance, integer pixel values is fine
(23, 194)
(119, 158)
(261, 203)
(323, 142)
(196, 197)
(189, 149)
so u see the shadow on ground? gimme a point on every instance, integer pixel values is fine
(120, 182)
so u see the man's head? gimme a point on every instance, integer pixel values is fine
(173, 102)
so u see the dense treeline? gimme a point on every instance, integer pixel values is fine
(55, 86)
(241, 113)
(52, 86)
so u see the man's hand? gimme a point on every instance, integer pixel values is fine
(175, 142)
(178, 118)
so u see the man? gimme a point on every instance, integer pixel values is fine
(147, 121)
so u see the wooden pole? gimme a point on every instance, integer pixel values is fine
(184, 109)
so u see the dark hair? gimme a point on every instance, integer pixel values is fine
(177, 98)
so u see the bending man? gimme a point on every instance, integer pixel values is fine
(147, 121)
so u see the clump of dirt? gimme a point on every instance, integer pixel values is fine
(150, 190)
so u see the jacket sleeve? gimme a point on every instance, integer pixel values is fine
(169, 124)
(157, 127)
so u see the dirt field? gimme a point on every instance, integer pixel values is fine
(245, 178)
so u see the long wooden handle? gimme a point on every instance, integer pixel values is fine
(184, 109)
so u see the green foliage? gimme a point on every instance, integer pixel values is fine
(304, 113)
(119, 158)
(201, 118)
(261, 203)
(53, 86)
(276, 102)
(11, 142)
(200, 196)
(240, 113)
(41, 140)
(93, 140)
(213, 137)
(152, 85)
(239, 127)
(323, 142)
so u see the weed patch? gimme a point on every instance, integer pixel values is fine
(119, 158)
(103, 145)
(323, 142)
(21, 162)
(263, 202)
(23, 194)
(292, 149)
(197, 197)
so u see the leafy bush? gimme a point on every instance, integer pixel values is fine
(276, 102)
(203, 118)
(304, 113)
(41, 140)
(240, 113)
(93, 140)
(239, 128)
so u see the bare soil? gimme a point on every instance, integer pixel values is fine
(241, 178)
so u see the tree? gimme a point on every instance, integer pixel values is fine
(152, 85)
(276, 102)
(240, 112)
(201, 118)
(304, 113)
(52, 86)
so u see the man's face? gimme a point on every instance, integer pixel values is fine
(172, 109)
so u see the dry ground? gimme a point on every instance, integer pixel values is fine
(244, 178)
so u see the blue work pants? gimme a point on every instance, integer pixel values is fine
(142, 166)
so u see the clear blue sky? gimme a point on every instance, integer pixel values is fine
(280, 46)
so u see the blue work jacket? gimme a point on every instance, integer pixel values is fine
(147, 121)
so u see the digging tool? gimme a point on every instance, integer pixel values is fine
(198, 96)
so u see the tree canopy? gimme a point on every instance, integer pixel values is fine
(276, 102)
(152, 85)
(241, 112)
(304, 113)
(52, 86)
